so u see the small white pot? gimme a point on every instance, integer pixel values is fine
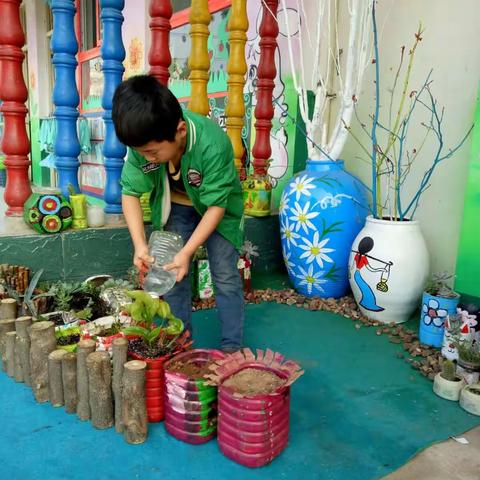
(95, 216)
(388, 268)
(446, 388)
(470, 401)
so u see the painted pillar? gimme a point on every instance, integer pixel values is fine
(266, 75)
(159, 56)
(199, 61)
(237, 68)
(113, 54)
(65, 94)
(13, 93)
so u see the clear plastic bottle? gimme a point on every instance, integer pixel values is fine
(163, 246)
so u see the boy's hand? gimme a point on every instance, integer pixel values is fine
(181, 263)
(142, 260)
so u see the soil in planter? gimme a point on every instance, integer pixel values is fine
(475, 391)
(68, 340)
(456, 379)
(57, 319)
(138, 346)
(80, 300)
(191, 368)
(107, 332)
(254, 381)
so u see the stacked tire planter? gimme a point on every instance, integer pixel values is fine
(190, 405)
(253, 430)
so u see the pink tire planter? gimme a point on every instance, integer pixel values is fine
(254, 429)
(190, 405)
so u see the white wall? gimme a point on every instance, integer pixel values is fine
(451, 46)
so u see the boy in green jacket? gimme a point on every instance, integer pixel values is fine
(186, 161)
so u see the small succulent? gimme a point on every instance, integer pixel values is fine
(448, 371)
(438, 285)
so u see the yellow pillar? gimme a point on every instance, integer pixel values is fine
(237, 68)
(199, 62)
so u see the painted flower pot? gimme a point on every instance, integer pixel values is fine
(190, 405)
(432, 318)
(470, 399)
(79, 207)
(457, 328)
(253, 430)
(257, 196)
(450, 390)
(389, 266)
(321, 211)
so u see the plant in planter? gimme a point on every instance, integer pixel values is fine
(439, 300)
(470, 399)
(468, 364)
(447, 384)
(253, 404)
(155, 336)
(190, 404)
(68, 338)
(389, 259)
(458, 329)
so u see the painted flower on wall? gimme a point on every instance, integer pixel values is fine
(316, 250)
(302, 186)
(311, 279)
(302, 217)
(432, 313)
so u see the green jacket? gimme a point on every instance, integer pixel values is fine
(208, 173)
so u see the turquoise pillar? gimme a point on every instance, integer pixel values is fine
(113, 54)
(65, 94)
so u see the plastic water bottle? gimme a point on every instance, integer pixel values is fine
(163, 246)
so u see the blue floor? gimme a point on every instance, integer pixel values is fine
(359, 412)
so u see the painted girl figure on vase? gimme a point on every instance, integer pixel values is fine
(361, 261)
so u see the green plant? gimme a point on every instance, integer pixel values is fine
(438, 285)
(448, 371)
(469, 351)
(63, 294)
(117, 283)
(145, 311)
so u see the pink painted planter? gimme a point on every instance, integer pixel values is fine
(190, 406)
(252, 431)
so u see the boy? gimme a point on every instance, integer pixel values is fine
(186, 161)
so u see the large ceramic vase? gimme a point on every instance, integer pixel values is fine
(388, 268)
(322, 210)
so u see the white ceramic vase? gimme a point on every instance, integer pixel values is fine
(388, 268)
(446, 388)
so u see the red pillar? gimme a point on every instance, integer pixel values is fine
(13, 93)
(266, 75)
(159, 56)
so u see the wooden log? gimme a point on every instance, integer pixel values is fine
(22, 346)
(8, 308)
(10, 352)
(100, 389)
(119, 351)
(18, 360)
(6, 325)
(55, 382)
(42, 342)
(84, 348)
(69, 376)
(133, 406)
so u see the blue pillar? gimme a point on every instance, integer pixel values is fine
(65, 94)
(113, 54)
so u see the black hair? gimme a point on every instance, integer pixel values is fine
(365, 245)
(144, 110)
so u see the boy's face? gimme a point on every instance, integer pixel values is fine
(164, 152)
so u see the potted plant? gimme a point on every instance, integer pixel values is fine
(191, 404)
(389, 260)
(439, 301)
(468, 364)
(105, 330)
(447, 384)
(253, 405)
(68, 338)
(458, 329)
(155, 336)
(470, 399)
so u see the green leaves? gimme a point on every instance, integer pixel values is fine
(175, 326)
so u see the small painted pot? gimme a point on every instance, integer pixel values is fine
(257, 195)
(79, 207)
(435, 310)
(446, 388)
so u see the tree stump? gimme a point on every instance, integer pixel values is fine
(22, 346)
(18, 360)
(8, 308)
(84, 348)
(69, 376)
(55, 382)
(6, 325)
(42, 342)
(119, 349)
(10, 352)
(135, 422)
(100, 389)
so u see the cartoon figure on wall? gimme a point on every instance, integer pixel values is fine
(362, 260)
